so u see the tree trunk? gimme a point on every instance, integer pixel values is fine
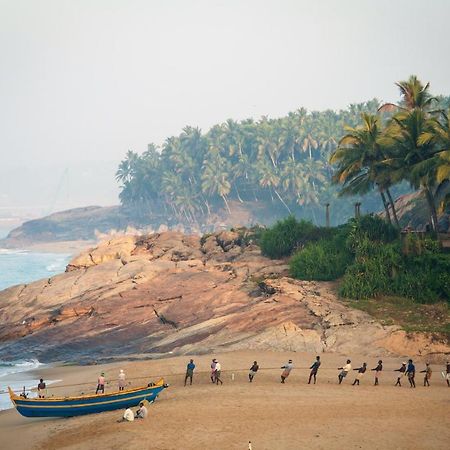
(226, 203)
(237, 193)
(327, 215)
(282, 201)
(386, 206)
(207, 207)
(430, 200)
(394, 212)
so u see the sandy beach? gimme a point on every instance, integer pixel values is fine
(270, 415)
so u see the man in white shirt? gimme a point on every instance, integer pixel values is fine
(128, 416)
(287, 370)
(217, 373)
(344, 371)
(121, 380)
(142, 412)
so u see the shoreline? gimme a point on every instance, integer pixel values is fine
(66, 247)
(271, 415)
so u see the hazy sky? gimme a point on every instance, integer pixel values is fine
(85, 80)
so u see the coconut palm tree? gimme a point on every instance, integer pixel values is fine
(359, 159)
(414, 94)
(215, 177)
(412, 156)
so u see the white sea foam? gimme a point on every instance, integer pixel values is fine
(14, 374)
(10, 251)
(22, 365)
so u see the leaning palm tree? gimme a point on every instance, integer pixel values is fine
(359, 158)
(438, 134)
(413, 156)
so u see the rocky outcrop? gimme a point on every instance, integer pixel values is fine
(169, 292)
(71, 225)
(92, 223)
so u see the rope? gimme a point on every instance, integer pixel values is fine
(179, 374)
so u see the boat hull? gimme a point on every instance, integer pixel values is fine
(76, 406)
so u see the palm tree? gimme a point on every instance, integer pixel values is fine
(438, 135)
(269, 178)
(413, 157)
(215, 177)
(309, 145)
(414, 94)
(127, 167)
(359, 157)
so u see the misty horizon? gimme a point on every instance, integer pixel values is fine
(83, 82)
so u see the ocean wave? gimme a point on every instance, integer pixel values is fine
(21, 365)
(10, 251)
(58, 266)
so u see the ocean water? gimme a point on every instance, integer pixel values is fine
(16, 374)
(21, 266)
(17, 267)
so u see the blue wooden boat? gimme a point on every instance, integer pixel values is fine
(84, 404)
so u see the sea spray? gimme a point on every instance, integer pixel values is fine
(17, 374)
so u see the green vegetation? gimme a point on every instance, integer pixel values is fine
(286, 236)
(407, 142)
(367, 254)
(298, 164)
(284, 165)
(323, 260)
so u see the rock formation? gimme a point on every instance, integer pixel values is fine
(169, 292)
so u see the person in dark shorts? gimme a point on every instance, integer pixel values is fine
(101, 384)
(378, 371)
(447, 373)
(253, 371)
(217, 373)
(41, 388)
(427, 376)
(361, 371)
(411, 373)
(402, 373)
(314, 369)
(189, 371)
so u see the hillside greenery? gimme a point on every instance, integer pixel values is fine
(287, 165)
(367, 255)
(278, 165)
(291, 165)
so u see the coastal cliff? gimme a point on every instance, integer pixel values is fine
(144, 296)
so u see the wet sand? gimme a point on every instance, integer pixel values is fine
(271, 415)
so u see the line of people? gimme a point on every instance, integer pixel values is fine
(407, 370)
